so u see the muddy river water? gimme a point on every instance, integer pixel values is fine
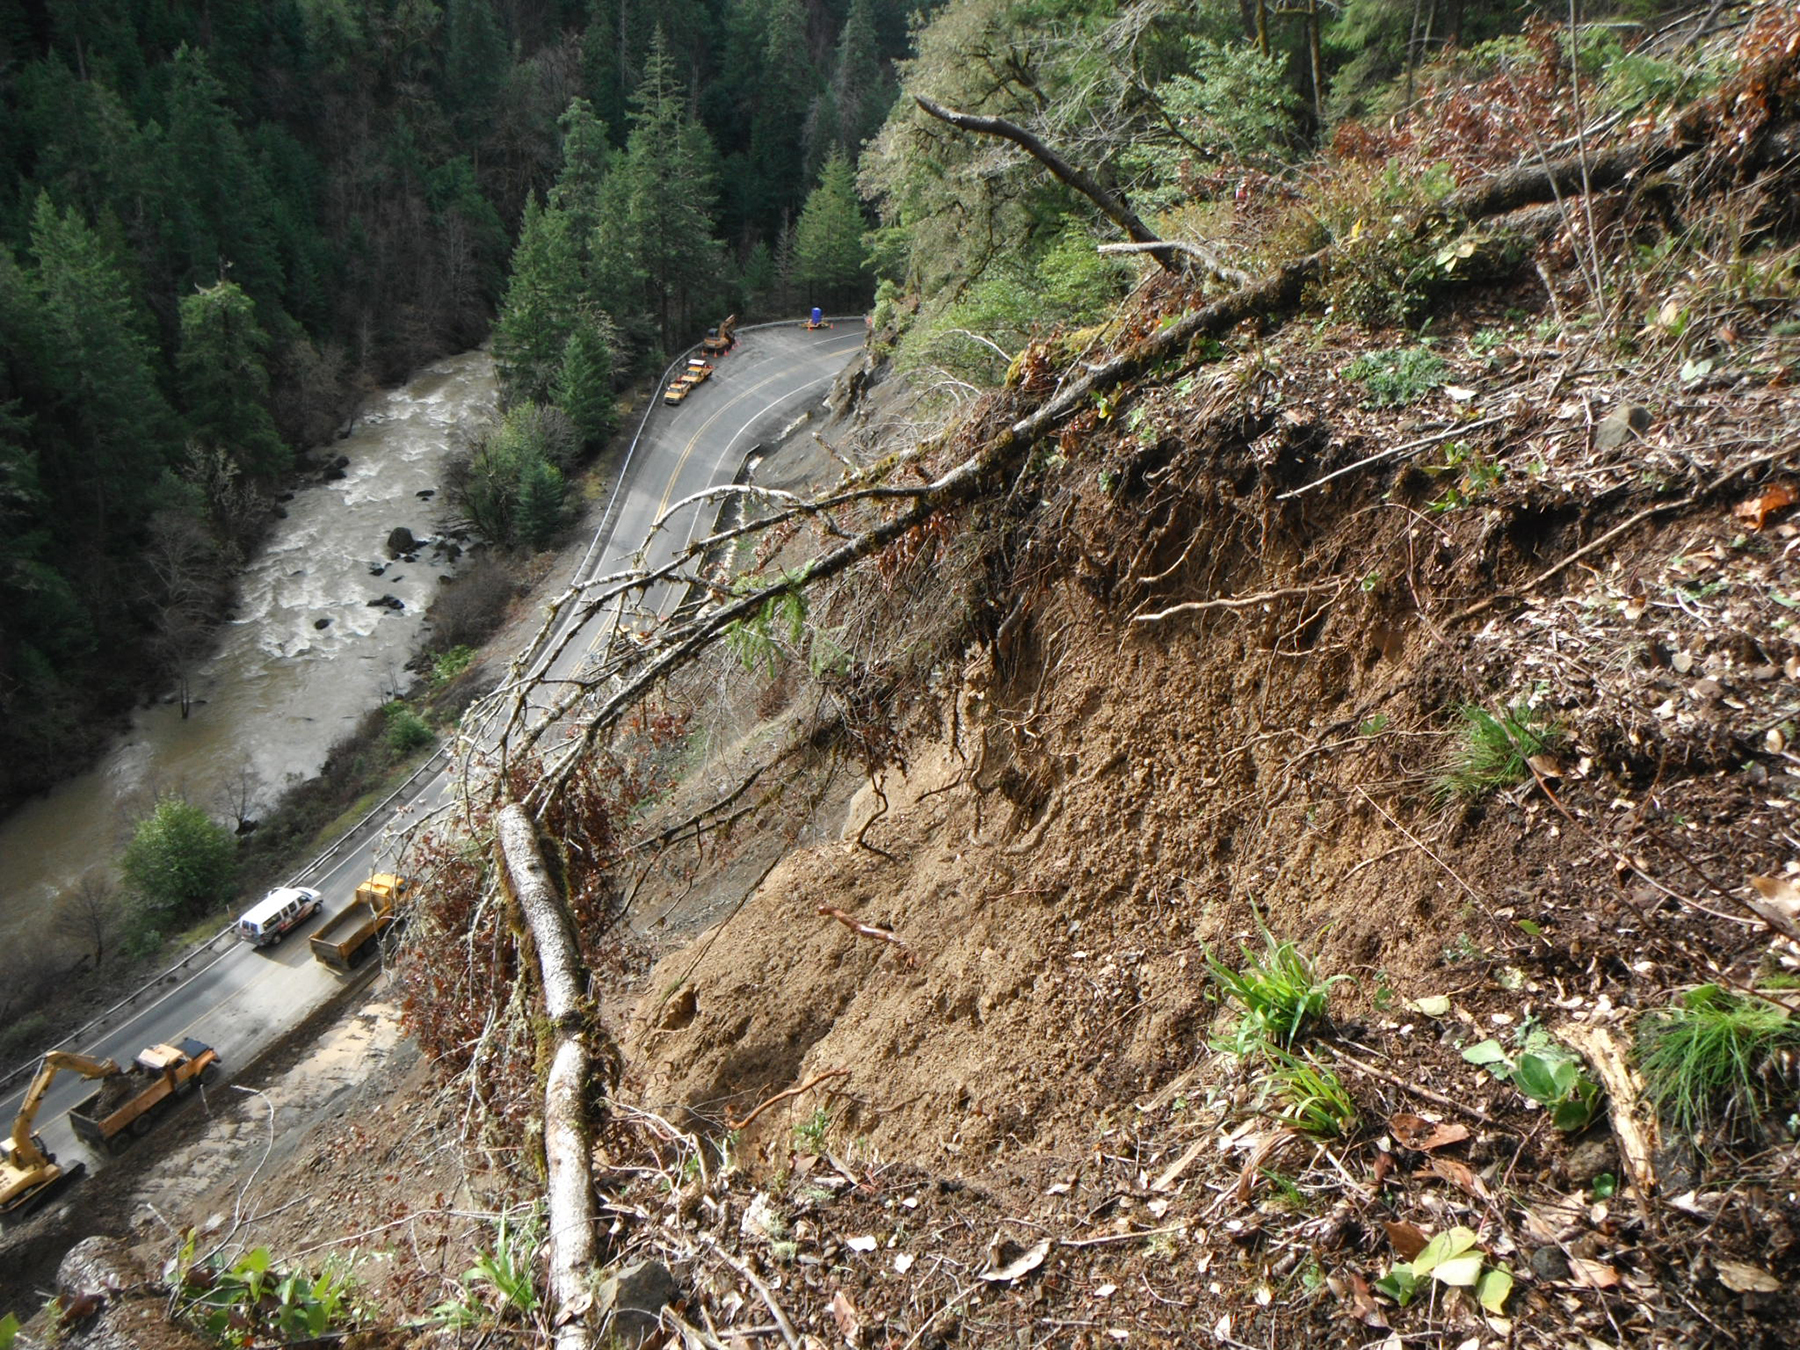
(303, 657)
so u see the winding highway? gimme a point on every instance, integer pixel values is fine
(243, 1000)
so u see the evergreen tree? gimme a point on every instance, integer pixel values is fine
(537, 513)
(669, 196)
(584, 383)
(785, 92)
(538, 312)
(862, 90)
(223, 381)
(98, 360)
(215, 204)
(828, 247)
(476, 58)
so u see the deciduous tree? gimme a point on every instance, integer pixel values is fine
(179, 863)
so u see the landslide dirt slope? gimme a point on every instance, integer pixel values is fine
(1226, 635)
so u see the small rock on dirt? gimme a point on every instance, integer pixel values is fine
(1548, 1263)
(1622, 424)
(1588, 1159)
(631, 1300)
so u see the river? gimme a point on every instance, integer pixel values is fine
(279, 689)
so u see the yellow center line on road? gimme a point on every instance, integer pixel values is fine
(687, 450)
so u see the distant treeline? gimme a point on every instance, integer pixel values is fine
(224, 221)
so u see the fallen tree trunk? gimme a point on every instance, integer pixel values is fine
(569, 1183)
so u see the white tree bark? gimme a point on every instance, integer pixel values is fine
(569, 1185)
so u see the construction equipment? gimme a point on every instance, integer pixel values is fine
(374, 907)
(816, 320)
(129, 1103)
(720, 340)
(698, 372)
(29, 1174)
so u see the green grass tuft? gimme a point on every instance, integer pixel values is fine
(1313, 1098)
(1705, 1061)
(1280, 992)
(1493, 750)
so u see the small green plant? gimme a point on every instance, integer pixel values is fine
(250, 1300)
(499, 1284)
(809, 1134)
(1474, 475)
(1451, 1259)
(1399, 375)
(1547, 1072)
(1493, 750)
(1706, 1061)
(446, 666)
(1280, 993)
(1313, 1098)
(1373, 726)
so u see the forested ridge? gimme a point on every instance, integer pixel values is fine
(223, 223)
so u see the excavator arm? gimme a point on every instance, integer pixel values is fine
(25, 1152)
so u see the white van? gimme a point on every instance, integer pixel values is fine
(281, 909)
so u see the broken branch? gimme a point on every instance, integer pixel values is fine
(807, 1086)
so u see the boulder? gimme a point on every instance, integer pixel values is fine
(425, 494)
(400, 540)
(321, 624)
(387, 602)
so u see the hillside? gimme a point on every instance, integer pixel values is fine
(1272, 825)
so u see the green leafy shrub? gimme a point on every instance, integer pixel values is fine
(1399, 375)
(179, 864)
(406, 730)
(1706, 1061)
(498, 1287)
(1493, 749)
(446, 666)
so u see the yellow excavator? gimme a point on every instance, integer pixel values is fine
(29, 1174)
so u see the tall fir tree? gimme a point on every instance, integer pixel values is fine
(540, 305)
(224, 382)
(584, 383)
(828, 242)
(98, 360)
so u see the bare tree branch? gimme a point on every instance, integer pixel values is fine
(1116, 210)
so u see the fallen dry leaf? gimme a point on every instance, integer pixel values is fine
(1408, 1239)
(1780, 903)
(847, 1319)
(1459, 1174)
(1424, 1135)
(1754, 511)
(1594, 1274)
(1363, 1306)
(1022, 1264)
(1745, 1279)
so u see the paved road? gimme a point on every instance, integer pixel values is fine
(244, 999)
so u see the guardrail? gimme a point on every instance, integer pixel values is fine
(336, 848)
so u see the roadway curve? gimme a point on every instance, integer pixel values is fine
(243, 1000)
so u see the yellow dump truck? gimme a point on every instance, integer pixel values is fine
(128, 1103)
(375, 906)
